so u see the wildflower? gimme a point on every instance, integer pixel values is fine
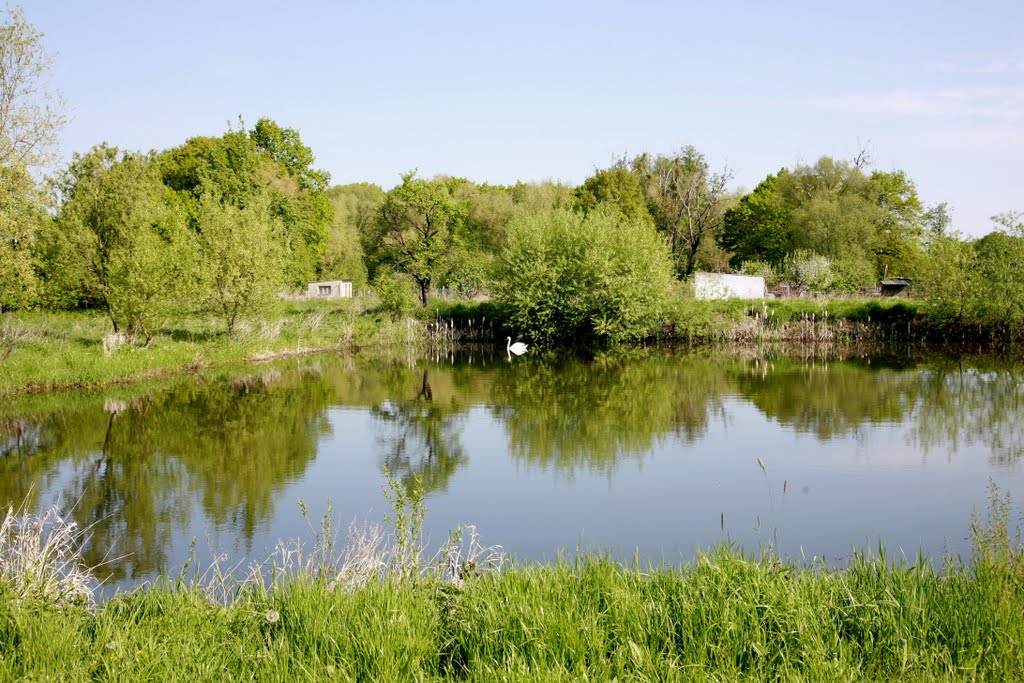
(273, 616)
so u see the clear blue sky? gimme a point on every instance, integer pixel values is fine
(500, 92)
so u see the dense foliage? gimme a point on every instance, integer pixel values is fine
(225, 223)
(572, 279)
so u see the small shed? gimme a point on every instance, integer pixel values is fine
(330, 289)
(722, 286)
(895, 285)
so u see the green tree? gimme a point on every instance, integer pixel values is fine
(241, 255)
(830, 208)
(356, 208)
(936, 219)
(417, 231)
(617, 186)
(488, 209)
(1000, 254)
(861, 223)
(686, 198)
(900, 229)
(309, 212)
(21, 217)
(570, 279)
(31, 111)
(118, 229)
(31, 119)
(542, 197)
(949, 278)
(759, 227)
(286, 148)
(237, 168)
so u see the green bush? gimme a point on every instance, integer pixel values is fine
(395, 294)
(764, 269)
(568, 279)
(809, 270)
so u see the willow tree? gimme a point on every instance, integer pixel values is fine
(571, 279)
(241, 256)
(32, 112)
(120, 238)
(687, 198)
(31, 119)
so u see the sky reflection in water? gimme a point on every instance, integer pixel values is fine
(653, 455)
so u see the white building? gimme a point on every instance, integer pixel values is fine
(722, 286)
(330, 289)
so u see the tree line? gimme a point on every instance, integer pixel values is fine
(226, 222)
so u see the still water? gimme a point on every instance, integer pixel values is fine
(654, 455)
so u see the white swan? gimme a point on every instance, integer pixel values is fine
(519, 348)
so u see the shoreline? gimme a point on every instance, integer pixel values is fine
(68, 351)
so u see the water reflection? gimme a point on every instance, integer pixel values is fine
(134, 469)
(146, 466)
(572, 416)
(961, 406)
(829, 399)
(420, 436)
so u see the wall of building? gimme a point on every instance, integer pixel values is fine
(722, 286)
(330, 289)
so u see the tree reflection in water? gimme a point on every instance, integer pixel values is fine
(573, 415)
(139, 463)
(133, 470)
(421, 436)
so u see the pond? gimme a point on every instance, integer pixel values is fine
(651, 455)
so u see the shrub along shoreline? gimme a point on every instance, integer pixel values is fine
(377, 611)
(48, 351)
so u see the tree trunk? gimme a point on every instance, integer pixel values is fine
(691, 258)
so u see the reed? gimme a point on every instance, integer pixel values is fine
(373, 609)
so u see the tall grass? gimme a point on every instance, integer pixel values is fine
(41, 558)
(375, 610)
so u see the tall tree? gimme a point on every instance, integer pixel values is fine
(31, 119)
(241, 255)
(861, 223)
(1000, 254)
(286, 148)
(21, 215)
(32, 112)
(687, 199)
(418, 230)
(129, 239)
(759, 227)
(900, 228)
(238, 168)
(617, 186)
(356, 207)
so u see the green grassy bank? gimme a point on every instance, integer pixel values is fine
(63, 350)
(371, 615)
(59, 350)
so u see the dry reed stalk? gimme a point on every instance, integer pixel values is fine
(41, 558)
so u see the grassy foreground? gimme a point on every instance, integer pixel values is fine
(725, 616)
